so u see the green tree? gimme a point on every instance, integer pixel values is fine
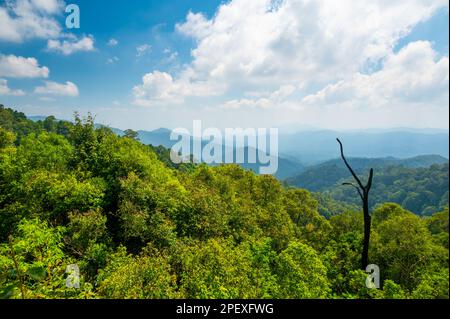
(131, 134)
(143, 277)
(301, 273)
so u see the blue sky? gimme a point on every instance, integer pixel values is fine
(261, 63)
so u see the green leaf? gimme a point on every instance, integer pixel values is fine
(7, 292)
(37, 272)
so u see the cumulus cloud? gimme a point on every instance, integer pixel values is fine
(156, 87)
(259, 46)
(196, 26)
(19, 67)
(413, 75)
(160, 87)
(26, 19)
(54, 88)
(48, 6)
(5, 90)
(70, 46)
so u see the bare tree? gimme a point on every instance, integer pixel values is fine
(363, 192)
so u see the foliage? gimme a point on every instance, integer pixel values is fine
(139, 226)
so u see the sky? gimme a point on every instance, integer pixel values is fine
(349, 64)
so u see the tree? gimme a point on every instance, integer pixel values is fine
(50, 124)
(363, 191)
(145, 276)
(403, 247)
(33, 263)
(301, 273)
(131, 134)
(7, 138)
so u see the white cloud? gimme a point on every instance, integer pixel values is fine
(48, 6)
(409, 82)
(159, 87)
(113, 42)
(299, 40)
(27, 19)
(143, 49)
(196, 26)
(19, 67)
(414, 75)
(265, 101)
(283, 92)
(262, 103)
(256, 46)
(70, 46)
(156, 87)
(53, 88)
(5, 90)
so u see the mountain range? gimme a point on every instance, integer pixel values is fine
(307, 148)
(322, 176)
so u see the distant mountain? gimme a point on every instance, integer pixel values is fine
(115, 130)
(159, 137)
(422, 161)
(322, 176)
(36, 118)
(318, 146)
(313, 146)
(419, 184)
(286, 167)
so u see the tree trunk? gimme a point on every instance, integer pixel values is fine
(367, 224)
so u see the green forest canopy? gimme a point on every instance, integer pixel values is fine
(141, 228)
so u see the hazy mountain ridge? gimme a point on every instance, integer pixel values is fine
(317, 146)
(322, 176)
(419, 184)
(308, 148)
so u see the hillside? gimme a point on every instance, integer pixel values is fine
(420, 184)
(325, 175)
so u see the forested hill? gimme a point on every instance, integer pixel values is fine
(74, 194)
(325, 175)
(419, 184)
